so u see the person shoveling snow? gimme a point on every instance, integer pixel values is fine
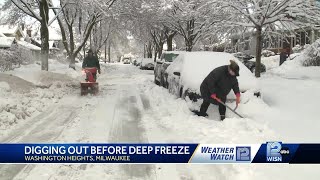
(217, 85)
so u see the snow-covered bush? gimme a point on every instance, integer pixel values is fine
(12, 58)
(267, 53)
(297, 49)
(218, 47)
(312, 54)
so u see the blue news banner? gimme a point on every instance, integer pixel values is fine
(270, 152)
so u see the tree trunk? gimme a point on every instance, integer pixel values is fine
(258, 51)
(72, 58)
(109, 51)
(44, 13)
(189, 45)
(72, 46)
(169, 42)
(155, 54)
(105, 52)
(149, 50)
(160, 49)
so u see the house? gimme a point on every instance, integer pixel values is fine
(55, 39)
(246, 42)
(12, 31)
(13, 35)
(35, 50)
(292, 36)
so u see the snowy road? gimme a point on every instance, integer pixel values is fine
(130, 108)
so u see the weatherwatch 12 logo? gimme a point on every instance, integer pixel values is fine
(273, 152)
(243, 153)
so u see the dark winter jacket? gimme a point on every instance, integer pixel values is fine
(219, 82)
(91, 62)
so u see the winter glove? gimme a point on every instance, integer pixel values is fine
(238, 99)
(214, 96)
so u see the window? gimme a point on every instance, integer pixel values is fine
(170, 57)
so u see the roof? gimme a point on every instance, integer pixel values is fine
(7, 29)
(29, 45)
(6, 42)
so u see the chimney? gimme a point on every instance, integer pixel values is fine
(29, 31)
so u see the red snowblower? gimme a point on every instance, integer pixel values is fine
(90, 86)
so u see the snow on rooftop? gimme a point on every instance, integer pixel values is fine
(6, 42)
(8, 29)
(29, 45)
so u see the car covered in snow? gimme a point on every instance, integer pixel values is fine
(126, 61)
(160, 75)
(187, 72)
(246, 59)
(147, 63)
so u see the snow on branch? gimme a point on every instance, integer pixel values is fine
(27, 8)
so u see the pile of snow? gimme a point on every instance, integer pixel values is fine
(4, 86)
(195, 66)
(172, 116)
(17, 105)
(298, 49)
(6, 42)
(270, 62)
(312, 54)
(27, 91)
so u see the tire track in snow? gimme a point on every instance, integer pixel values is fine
(127, 128)
(45, 127)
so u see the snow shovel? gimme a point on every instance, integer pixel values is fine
(233, 110)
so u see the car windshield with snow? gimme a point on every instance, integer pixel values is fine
(187, 72)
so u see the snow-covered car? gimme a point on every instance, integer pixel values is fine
(147, 63)
(138, 63)
(126, 61)
(187, 72)
(160, 75)
(246, 59)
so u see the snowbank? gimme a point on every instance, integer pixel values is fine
(172, 116)
(27, 91)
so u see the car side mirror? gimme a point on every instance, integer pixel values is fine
(177, 73)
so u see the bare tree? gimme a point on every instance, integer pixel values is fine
(76, 17)
(39, 10)
(265, 15)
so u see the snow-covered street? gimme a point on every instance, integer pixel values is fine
(131, 108)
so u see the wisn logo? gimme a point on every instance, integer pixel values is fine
(274, 152)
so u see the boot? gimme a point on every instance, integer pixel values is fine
(222, 117)
(201, 114)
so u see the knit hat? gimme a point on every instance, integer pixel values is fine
(234, 67)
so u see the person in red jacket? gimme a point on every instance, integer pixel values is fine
(217, 85)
